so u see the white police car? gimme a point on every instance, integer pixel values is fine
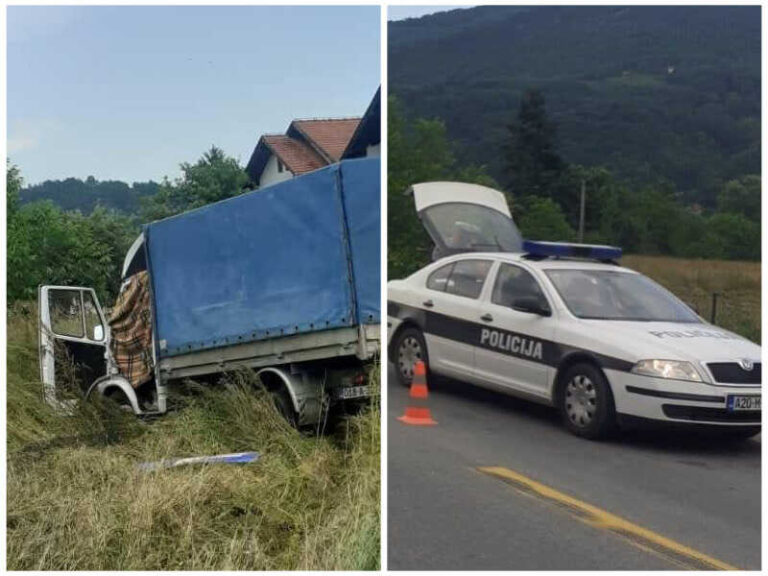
(562, 324)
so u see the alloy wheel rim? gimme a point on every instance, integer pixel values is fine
(408, 354)
(580, 400)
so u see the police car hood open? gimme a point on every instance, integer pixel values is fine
(463, 217)
(676, 341)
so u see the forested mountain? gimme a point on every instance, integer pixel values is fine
(85, 195)
(649, 92)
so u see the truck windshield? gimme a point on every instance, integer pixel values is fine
(614, 295)
(464, 227)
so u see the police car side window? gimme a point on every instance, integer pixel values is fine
(438, 280)
(467, 278)
(513, 284)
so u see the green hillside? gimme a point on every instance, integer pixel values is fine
(648, 92)
(85, 195)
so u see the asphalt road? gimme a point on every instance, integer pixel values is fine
(703, 493)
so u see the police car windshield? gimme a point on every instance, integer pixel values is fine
(614, 295)
(465, 227)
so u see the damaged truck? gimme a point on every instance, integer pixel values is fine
(284, 280)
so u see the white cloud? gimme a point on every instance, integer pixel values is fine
(28, 133)
(19, 143)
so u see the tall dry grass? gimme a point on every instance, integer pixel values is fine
(77, 501)
(737, 285)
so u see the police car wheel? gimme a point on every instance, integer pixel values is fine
(410, 348)
(586, 402)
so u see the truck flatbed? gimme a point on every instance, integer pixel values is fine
(361, 342)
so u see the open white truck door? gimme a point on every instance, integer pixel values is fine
(73, 340)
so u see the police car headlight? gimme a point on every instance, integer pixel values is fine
(672, 369)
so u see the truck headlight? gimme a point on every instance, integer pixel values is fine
(672, 369)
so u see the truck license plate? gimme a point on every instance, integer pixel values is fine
(741, 403)
(353, 392)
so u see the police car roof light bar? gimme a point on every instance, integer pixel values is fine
(539, 250)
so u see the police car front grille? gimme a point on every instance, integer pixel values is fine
(707, 414)
(733, 373)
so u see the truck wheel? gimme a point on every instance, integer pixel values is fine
(284, 406)
(117, 398)
(586, 402)
(409, 348)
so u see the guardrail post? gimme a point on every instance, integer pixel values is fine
(713, 315)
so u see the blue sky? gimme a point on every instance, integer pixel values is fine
(128, 93)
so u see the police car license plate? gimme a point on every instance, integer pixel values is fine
(741, 403)
(353, 392)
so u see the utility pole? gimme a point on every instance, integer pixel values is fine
(581, 209)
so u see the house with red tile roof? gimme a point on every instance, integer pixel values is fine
(311, 144)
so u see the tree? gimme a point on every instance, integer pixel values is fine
(49, 246)
(13, 184)
(533, 164)
(741, 196)
(215, 176)
(115, 233)
(418, 151)
(543, 219)
(733, 237)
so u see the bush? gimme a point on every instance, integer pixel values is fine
(48, 246)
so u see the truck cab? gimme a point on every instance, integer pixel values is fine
(81, 349)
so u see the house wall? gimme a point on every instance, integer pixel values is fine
(270, 175)
(374, 150)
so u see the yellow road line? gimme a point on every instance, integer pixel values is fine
(637, 535)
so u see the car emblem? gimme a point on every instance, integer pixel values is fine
(746, 364)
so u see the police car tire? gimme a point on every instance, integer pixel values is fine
(415, 333)
(603, 422)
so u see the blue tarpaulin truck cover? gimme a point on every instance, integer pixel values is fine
(296, 257)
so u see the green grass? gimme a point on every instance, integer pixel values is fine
(694, 281)
(76, 500)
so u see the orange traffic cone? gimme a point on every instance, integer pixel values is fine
(418, 415)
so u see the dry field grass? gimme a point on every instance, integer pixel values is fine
(736, 283)
(77, 501)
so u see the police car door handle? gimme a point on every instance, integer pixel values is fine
(429, 303)
(486, 318)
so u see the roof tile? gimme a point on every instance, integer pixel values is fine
(295, 154)
(330, 135)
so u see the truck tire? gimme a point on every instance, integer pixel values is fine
(116, 387)
(586, 402)
(117, 398)
(284, 406)
(409, 347)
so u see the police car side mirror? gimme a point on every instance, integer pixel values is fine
(531, 306)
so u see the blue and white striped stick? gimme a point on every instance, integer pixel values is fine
(237, 458)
